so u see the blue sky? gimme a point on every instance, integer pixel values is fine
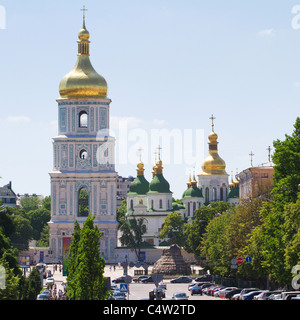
(168, 64)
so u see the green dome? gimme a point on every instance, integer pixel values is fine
(192, 192)
(139, 185)
(234, 193)
(177, 206)
(159, 184)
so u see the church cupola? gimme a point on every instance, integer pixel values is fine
(159, 183)
(213, 164)
(83, 81)
(139, 185)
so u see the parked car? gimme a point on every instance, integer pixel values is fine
(181, 280)
(117, 296)
(245, 291)
(121, 279)
(223, 291)
(180, 296)
(199, 284)
(196, 290)
(140, 278)
(207, 289)
(147, 280)
(287, 295)
(236, 296)
(265, 295)
(262, 296)
(250, 295)
(217, 291)
(229, 295)
(275, 296)
(205, 277)
(212, 291)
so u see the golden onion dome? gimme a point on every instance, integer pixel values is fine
(83, 81)
(213, 164)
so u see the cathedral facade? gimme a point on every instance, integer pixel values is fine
(83, 179)
(153, 201)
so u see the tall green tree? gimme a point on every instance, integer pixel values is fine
(121, 212)
(22, 234)
(88, 278)
(132, 234)
(195, 230)
(286, 158)
(38, 219)
(213, 244)
(173, 228)
(73, 263)
(34, 285)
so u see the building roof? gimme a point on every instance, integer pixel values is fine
(6, 191)
(139, 186)
(192, 192)
(159, 185)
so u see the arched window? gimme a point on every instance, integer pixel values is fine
(83, 154)
(169, 204)
(206, 195)
(189, 210)
(152, 204)
(194, 206)
(83, 203)
(83, 119)
(160, 204)
(131, 204)
(221, 194)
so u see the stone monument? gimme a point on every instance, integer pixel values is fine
(171, 262)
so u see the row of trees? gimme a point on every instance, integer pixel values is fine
(28, 222)
(15, 286)
(17, 227)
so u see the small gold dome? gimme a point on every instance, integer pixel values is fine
(212, 137)
(83, 34)
(83, 81)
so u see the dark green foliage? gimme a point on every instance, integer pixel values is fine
(85, 279)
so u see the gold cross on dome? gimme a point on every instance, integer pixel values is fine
(251, 155)
(159, 148)
(83, 10)
(140, 151)
(212, 118)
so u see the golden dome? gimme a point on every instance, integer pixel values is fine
(212, 137)
(213, 164)
(83, 33)
(83, 81)
(140, 169)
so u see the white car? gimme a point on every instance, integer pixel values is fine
(222, 292)
(50, 280)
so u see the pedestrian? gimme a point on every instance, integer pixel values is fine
(114, 268)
